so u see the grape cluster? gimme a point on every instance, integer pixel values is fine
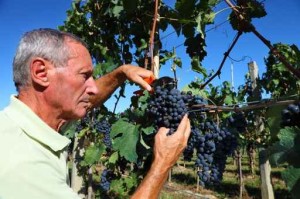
(167, 108)
(238, 121)
(83, 123)
(291, 115)
(103, 126)
(94, 124)
(106, 177)
(213, 145)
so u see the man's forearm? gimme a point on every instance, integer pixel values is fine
(106, 85)
(152, 183)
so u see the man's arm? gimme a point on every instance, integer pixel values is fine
(167, 150)
(108, 83)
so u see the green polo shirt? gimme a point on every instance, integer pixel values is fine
(32, 156)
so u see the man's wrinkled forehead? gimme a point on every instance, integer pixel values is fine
(73, 47)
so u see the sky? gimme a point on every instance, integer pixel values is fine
(282, 24)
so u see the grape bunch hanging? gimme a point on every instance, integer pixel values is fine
(167, 108)
(212, 145)
(291, 115)
(97, 125)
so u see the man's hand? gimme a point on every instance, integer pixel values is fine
(108, 83)
(137, 75)
(168, 148)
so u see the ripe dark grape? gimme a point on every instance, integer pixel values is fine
(106, 178)
(92, 122)
(104, 127)
(238, 121)
(212, 145)
(291, 115)
(167, 108)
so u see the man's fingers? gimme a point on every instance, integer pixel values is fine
(163, 130)
(183, 124)
(145, 81)
(145, 85)
(187, 131)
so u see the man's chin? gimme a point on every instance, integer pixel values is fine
(77, 115)
(82, 113)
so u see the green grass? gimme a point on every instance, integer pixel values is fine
(184, 179)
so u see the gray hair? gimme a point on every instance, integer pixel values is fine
(46, 43)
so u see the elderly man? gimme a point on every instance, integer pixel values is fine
(53, 76)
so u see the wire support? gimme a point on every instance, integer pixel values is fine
(265, 103)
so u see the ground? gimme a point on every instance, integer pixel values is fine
(182, 183)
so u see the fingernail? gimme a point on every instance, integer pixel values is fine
(149, 88)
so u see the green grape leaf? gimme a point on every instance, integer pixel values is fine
(210, 17)
(195, 46)
(287, 149)
(178, 62)
(117, 10)
(143, 143)
(113, 158)
(92, 154)
(274, 119)
(199, 25)
(197, 67)
(126, 140)
(195, 91)
(143, 46)
(117, 127)
(228, 100)
(118, 187)
(148, 130)
(292, 178)
(185, 7)
(130, 6)
(276, 152)
(124, 186)
(131, 181)
(286, 137)
(166, 55)
(69, 129)
(256, 9)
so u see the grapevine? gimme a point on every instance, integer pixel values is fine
(213, 145)
(167, 108)
(106, 177)
(291, 115)
(104, 127)
(93, 123)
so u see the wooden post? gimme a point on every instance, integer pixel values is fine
(90, 194)
(264, 165)
(265, 173)
(240, 172)
(170, 176)
(251, 155)
(156, 66)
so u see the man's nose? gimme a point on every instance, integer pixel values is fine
(92, 87)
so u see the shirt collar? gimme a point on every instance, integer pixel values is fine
(34, 126)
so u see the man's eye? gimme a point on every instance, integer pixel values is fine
(85, 75)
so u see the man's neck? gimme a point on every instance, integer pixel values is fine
(35, 101)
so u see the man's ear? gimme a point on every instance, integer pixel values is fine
(39, 72)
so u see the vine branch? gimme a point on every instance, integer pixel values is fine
(273, 49)
(121, 94)
(226, 54)
(261, 104)
(151, 42)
